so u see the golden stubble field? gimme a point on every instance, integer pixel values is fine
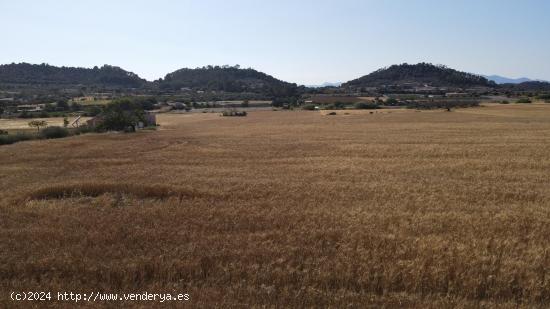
(426, 209)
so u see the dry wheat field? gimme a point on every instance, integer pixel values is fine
(287, 209)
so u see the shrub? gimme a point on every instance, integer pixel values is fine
(54, 132)
(524, 100)
(43, 114)
(331, 114)
(234, 113)
(179, 106)
(391, 102)
(447, 104)
(25, 115)
(82, 130)
(10, 139)
(364, 105)
(92, 111)
(545, 97)
(3, 132)
(504, 102)
(309, 107)
(336, 105)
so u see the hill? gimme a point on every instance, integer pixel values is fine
(535, 86)
(44, 75)
(228, 79)
(418, 75)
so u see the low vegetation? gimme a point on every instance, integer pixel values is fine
(7, 139)
(444, 104)
(364, 105)
(309, 107)
(54, 132)
(234, 113)
(524, 100)
(46, 133)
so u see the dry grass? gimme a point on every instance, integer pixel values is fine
(426, 209)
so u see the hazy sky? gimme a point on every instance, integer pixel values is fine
(305, 42)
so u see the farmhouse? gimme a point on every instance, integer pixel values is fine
(177, 105)
(30, 107)
(150, 119)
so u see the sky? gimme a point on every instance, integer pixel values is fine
(302, 41)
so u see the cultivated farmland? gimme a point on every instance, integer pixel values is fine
(289, 209)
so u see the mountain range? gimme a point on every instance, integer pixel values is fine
(326, 84)
(506, 80)
(235, 79)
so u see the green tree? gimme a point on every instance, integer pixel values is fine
(49, 107)
(62, 105)
(121, 115)
(38, 124)
(75, 106)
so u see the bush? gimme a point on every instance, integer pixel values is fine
(364, 105)
(309, 107)
(10, 139)
(82, 130)
(335, 106)
(233, 113)
(447, 104)
(25, 115)
(3, 132)
(92, 111)
(545, 97)
(391, 102)
(504, 102)
(524, 100)
(54, 132)
(179, 106)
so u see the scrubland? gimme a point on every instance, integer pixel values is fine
(20, 125)
(428, 209)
